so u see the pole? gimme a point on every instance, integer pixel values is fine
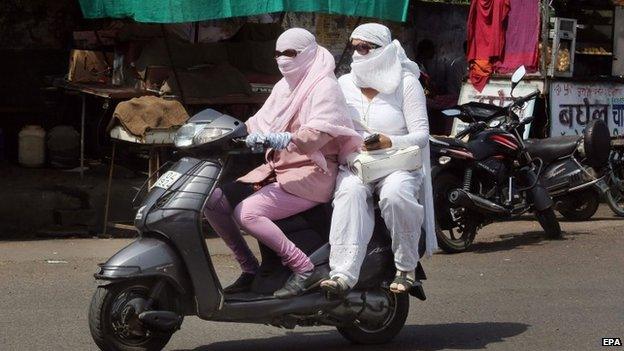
(82, 131)
(108, 189)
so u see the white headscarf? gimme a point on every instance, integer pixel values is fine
(383, 68)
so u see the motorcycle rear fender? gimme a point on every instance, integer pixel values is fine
(146, 257)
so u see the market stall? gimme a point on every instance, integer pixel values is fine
(573, 49)
(585, 75)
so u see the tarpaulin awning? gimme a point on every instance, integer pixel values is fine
(176, 11)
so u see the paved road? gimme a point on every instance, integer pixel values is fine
(514, 291)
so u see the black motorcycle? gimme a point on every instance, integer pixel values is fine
(575, 169)
(490, 177)
(148, 287)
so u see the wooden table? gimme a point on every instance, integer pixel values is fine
(107, 92)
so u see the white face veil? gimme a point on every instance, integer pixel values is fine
(383, 68)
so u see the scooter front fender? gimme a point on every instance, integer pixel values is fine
(146, 257)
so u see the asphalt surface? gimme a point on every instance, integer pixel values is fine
(513, 291)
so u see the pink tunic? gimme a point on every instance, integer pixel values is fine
(295, 171)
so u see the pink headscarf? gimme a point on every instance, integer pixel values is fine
(302, 73)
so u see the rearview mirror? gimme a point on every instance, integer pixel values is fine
(518, 74)
(451, 112)
(517, 77)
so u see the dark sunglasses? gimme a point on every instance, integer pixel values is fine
(288, 53)
(364, 48)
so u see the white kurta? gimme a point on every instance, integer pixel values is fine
(402, 116)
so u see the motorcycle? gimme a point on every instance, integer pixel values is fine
(148, 287)
(490, 177)
(575, 169)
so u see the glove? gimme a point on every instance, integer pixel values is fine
(278, 141)
(256, 142)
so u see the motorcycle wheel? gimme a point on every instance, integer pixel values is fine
(615, 180)
(113, 324)
(457, 238)
(584, 206)
(548, 220)
(380, 332)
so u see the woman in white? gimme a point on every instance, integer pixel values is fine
(384, 97)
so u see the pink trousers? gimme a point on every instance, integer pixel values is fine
(255, 215)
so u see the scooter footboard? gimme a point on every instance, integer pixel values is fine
(144, 258)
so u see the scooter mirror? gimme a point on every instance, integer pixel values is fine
(451, 112)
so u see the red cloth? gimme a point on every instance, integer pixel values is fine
(486, 35)
(480, 71)
(521, 37)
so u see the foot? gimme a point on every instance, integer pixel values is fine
(403, 282)
(299, 283)
(335, 286)
(242, 284)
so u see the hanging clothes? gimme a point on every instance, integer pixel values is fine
(521, 37)
(487, 21)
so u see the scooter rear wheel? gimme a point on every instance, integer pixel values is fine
(584, 205)
(116, 328)
(380, 332)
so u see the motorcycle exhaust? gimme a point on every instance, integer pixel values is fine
(460, 197)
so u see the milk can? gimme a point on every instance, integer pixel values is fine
(31, 150)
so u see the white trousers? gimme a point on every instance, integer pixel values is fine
(353, 221)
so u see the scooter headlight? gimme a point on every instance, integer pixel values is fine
(186, 133)
(209, 134)
(193, 134)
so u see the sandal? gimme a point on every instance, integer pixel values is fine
(403, 282)
(335, 286)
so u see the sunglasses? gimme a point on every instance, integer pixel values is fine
(287, 53)
(364, 48)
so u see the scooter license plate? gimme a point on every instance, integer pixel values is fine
(166, 180)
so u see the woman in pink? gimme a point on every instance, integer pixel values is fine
(306, 125)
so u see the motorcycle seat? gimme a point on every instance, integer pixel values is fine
(551, 149)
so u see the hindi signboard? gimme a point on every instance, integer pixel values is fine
(497, 92)
(574, 104)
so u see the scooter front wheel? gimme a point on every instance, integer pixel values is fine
(380, 331)
(113, 317)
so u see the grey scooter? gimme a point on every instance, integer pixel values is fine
(148, 287)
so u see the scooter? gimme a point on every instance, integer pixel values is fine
(148, 287)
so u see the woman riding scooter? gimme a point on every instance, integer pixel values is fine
(384, 97)
(305, 125)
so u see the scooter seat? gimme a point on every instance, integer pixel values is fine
(551, 149)
(316, 218)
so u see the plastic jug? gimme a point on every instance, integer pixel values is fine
(31, 150)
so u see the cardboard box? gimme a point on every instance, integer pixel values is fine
(89, 66)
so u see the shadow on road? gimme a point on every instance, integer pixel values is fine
(456, 336)
(515, 241)
(593, 219)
